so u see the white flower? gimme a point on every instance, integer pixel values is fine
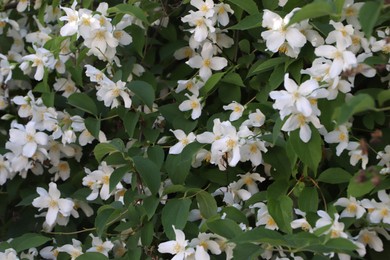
(4, 170)
(110, 91)
(264, 218)
(204, 243)
(342, 59)
(302, 222)
(357, 154)
(184, 53)
(9, 253)
(28, 138)
(184, 140)
(298, 120)
(205, 7)
(342, 35)
(74, 250)
(278, 32)
(256, 119)
(351, 12)
(99, 246)
(237, 108)
(352, 209)
(206, 62)
(193, 103)
(341, 136)
(192, 85)
(249, 179)
(51, 200)
(202, 25)
(221, 11)
(378, 211)
(66, 85)
(371, 239)
(252, 150)
(41, 59)
(384, 157)
(295, 97)
(176, 247)
(336, 228)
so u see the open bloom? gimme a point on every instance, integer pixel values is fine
(51, 200)
(193, 103)
(279, 37)
(176, 247)
(352, 209)
(206, 62)
(184, 140)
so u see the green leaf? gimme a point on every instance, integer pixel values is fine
(130, 120)
(150, 205)
(48, 99)
(340, 245)
(260, 235)
(368, 15)
(117, 175)
(248, 251)
(281, 211)
(360, 185)
(247, 5)
(92, 255)
(28, 241)
(102, 149)
(130, 9)
(143, 91)
(277, 189)
(335, 176)
(178, 166)
(224, 227)
(207, 204)
(383, 96)
(93, 126)
(308, 199)
(105, 217)
(147, 234)
(356, 104)
(149, 172)
(266, 65)
(138, 35)
(175, 213)
(312, 158)
(156, 154)
(233, 78)
(313, 10)
(281, 164)
(84, 102)
(249, 22)
(210, 83)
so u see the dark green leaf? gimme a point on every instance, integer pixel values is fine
(103, 149)
(384, 96)
(359, 185)
(260, 235)
(368, 15)
(266, 65)
(84, 102)
(93, 126)
(150, 204)
(281, 164)
(210, 83)
(92, 255)
(335, 176)
(249, 22)
(143, 91)
(281, 211)
(224, 227)
(156, 154)
(117, 175)
(356, 104)
(149, 172)
(28, 241)
(312, 158)
(308, 199)
(207, 204)
(175, 213)
(247, 5)
(313, 10)
(130, 120)
(130, 9)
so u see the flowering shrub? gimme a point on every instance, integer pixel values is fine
(194, 129)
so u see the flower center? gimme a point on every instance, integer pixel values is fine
(194, 104)
(106, 179)
(352, 208)
(230, 143)
(206, 63)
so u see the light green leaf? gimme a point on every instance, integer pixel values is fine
(335, 176)
(266, 65)
(308, 199)
(281, 211)
(368, 15)
(356, 104)
(175, 213)
(143, 91)
(28, 241)
(383, 97)
(233, 78)
(130, 9)
(84, 102)
(340, 245)
(117, 175)
(249, 22)
(247, 5)
(149, 172)
(92, 255)
(312, 158)
(313, 10)
(224, 227)
(207, 204)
